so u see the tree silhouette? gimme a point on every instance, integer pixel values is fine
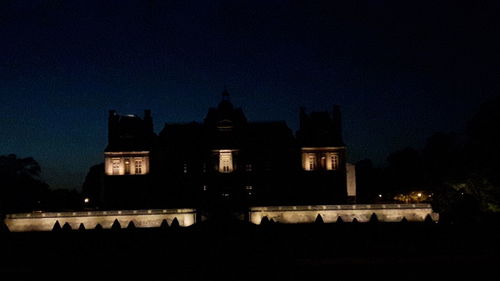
(93, 184)
(22, 189)
(405, 170)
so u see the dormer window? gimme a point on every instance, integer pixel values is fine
(225, 125)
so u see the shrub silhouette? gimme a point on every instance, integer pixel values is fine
(373, 218)
(131, 225)
(428, 219)
(98, 227)
(339, 219)
(319, 219)
(354, 220)
(57, 226)
(81, 227)
(264, 220)
(175, 223)
(164, 224)
(271, 221)
(116, 225)
(404, 220)
(66, 227)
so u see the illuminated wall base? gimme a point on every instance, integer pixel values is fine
(330, 213)
(141, 218)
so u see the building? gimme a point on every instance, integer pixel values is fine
(223, 166)
(225, 160)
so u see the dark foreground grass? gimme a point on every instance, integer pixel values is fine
(239, 251)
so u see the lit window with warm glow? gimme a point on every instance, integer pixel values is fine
(138, 166)
(126, 163)
(312, 162)
(322, 158)
(127, 167)
(335, 161)
(225, 161)
(116, 166)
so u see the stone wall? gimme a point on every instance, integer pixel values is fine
(330, 213)
(41, 221)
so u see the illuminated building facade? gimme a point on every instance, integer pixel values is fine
(224, 160)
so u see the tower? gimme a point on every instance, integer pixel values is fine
(323, 154)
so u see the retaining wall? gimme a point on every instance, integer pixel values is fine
(44, 221)
(330, 213)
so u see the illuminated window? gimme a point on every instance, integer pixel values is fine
(335, 162)
(127, 167)
(126, 163)
(225, 161)
(116, 166)
(138, 166)
(323, 162)
(312, 162)
(248, 187)
(185, 168)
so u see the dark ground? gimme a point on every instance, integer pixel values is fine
(238, 251)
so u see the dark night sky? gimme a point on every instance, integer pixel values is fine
(399, 71)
